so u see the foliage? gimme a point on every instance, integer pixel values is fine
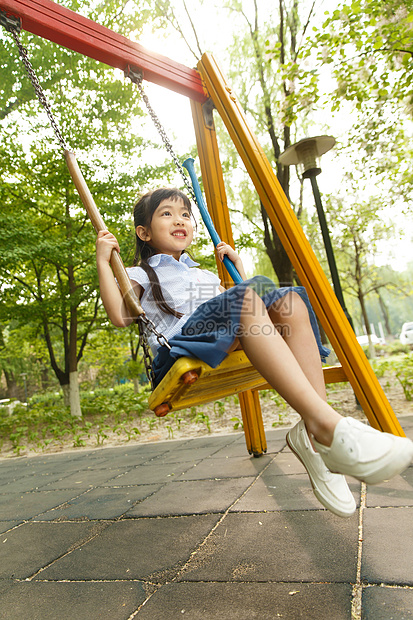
(47, 267)
(47, 420)
(401, 366)
(404, 375)
(368, 46)
(121, 412)
(108, 358)
(356, 228)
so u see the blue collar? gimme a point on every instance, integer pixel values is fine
(184, 259)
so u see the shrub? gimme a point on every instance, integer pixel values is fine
(46, 419)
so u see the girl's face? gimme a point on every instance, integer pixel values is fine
(171, 230)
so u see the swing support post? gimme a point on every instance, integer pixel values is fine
(326, 306)
(209, 86)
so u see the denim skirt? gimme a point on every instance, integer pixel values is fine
(211, 330)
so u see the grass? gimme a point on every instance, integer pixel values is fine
(46, 423)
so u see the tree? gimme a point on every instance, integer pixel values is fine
(368, 46)
(47, 272)
(357, 231)
(275, 89)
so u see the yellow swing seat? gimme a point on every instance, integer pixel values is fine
(191, 382)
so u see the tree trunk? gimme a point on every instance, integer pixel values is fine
(66, 394)
(385, 314)
(12, 387)
(136, 385)
(275, 250)
(372, 351)
(75, 410)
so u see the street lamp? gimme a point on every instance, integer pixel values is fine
(304, 154)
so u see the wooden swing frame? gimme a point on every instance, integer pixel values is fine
(191, 382)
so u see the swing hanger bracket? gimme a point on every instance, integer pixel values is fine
(135, 75)
(10, 22)
(207, 112)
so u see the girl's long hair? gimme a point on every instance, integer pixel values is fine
(142, 216)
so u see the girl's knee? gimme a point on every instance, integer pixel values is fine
(292, 308)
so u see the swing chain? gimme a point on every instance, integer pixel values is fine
(136, 77)
(36, 85)
(146, 325)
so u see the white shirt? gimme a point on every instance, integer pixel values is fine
(184, 288)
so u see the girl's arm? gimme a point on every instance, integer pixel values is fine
(110, 293)
(223, 249)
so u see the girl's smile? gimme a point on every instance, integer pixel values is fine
(171, 230)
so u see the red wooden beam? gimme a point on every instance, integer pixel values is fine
(60, 25)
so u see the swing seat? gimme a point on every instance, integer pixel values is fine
(191, 382)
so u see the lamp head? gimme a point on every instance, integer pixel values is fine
(305, 154)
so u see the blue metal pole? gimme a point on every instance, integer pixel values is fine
(189, 166)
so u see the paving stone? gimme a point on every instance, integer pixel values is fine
(5, 526)
(124, 461)
(397, 492)
(236, 467)
(186, 454)
(235, 449)
(278, 432)
(29, 482)
(100, 503)
(243, 601)
(211, 442)
(192, 497)
(151, 473)
(285, 462)
(387, 546)
(152, 549)
(382, 603)
(276, 439)
(30, 547)
(274, 492)
(282, 546)
(136, 452)
(86, 478)
(25, 506)
(61, 457)
(406, 422)
(289, 562)
(5, 585)
(65, 601)
(10, 476)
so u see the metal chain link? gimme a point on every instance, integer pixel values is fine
(136, 77)
(146, 325)
(37, 88)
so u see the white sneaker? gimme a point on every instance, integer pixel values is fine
(366, 454)
(330, 489)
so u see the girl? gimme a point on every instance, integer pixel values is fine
(275, 327)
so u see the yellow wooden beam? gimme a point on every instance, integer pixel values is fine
(216, 199)
(355, 364)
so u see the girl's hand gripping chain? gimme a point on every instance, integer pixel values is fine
(109, 291)
(105, 243)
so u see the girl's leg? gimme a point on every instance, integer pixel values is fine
(345, 445)
(274, 359)
(290, 316)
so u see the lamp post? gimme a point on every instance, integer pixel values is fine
(305, 154)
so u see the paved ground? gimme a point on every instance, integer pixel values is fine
(197, 529)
